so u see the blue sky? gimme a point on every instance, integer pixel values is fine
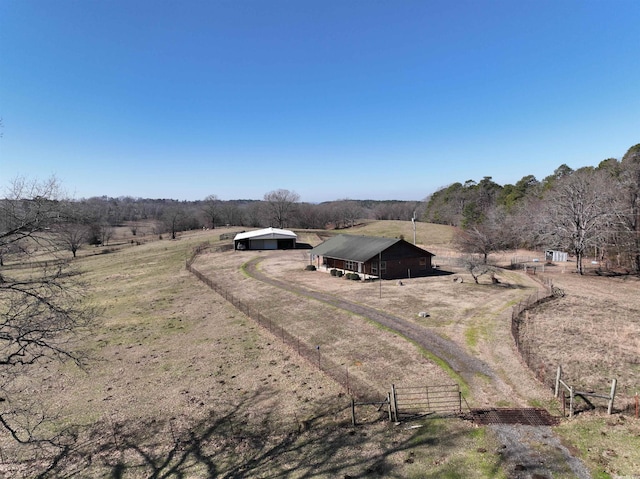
(330, 99)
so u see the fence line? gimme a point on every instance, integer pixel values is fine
(313, 354)
(340, 373)
(520, 323)
(573, 393)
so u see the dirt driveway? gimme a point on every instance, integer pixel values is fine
(529, 451)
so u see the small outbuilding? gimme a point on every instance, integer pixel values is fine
(555, 256)
(389, 258)
(267, 238)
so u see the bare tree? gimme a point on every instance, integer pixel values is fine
(211, 209)
(106, 233)
(576, 212)
(41, 308)
(231, 214)
(311, 216)
(172, 219)
(490, 236)
(281, 205)
(254, 214)
(72, 235)
(476, 266)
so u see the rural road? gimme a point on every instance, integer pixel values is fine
(522, 444)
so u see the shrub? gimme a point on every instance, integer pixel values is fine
(353, 276)
(310, 267)
(334, 272)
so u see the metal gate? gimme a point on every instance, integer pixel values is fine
(425, 400)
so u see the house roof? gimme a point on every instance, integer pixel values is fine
(356, 248)
(266, 233)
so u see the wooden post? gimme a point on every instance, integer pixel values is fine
(426, 391)
(394, 403)
(564, 404)
(391, 414)
(571, 401)
(637, 405)
(558, 377)
(612, 396)
(353, 412)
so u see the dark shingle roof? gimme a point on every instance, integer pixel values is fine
(353, 248)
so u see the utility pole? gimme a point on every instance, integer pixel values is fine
(413, 221)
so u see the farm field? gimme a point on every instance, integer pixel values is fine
(182, 384)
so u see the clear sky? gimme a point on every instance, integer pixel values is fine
(331, 99)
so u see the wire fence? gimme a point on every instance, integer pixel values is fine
(316, 356)
(522, 334)
(355, 387)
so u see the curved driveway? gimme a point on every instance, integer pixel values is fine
(463, 364)
(518, 449)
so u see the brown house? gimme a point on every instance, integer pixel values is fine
(389, 258)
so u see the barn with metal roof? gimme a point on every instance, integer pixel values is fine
(390, 258)
(267, 238)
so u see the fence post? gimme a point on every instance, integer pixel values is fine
(558, 377)
(612, 396)
(571, 401)
(394, 404)
(391, 414)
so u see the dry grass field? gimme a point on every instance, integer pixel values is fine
(181, 384)
(592, 332)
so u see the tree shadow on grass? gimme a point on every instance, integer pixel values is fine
(232, 445)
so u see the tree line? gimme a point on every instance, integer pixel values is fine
(92, 220)
(588, 212)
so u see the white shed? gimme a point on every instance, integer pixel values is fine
(267, 238)
(553, 255)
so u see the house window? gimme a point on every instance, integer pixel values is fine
(423, 261)
(351, 265)
(374, 267)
